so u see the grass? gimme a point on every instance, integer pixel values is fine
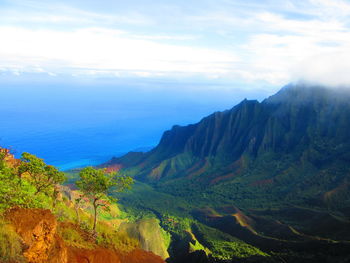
(111, 238)
(75, 237)
(80, 234)
(10, 244)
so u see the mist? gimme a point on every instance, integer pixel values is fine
(329, 70)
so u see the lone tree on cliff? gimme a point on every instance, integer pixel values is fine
(98, 185)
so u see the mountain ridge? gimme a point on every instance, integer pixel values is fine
(274, 174)
(299, 130)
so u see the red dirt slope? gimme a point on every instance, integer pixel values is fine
(42, 244)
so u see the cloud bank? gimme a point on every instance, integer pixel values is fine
(274, 42)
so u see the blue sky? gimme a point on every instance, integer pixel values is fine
(267, 43)
(82, 81)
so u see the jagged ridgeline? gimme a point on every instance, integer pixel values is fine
(295, 145)
(273, 175)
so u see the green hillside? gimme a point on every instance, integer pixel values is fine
(273, 174)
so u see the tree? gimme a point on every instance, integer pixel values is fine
(42, 176)
(77, 203)
(98, 185)
(22, 181)
(10, 191)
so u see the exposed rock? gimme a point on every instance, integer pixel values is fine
(42, 244)
(140, 256)
(9, 158)
(101, 255)
(37, 228)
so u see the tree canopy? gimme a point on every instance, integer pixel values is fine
(44, 177)
(30, 183)
(98, 186)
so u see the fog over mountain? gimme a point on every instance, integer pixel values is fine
(330, 70)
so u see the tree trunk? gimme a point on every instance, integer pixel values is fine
(95, 214)
(55, 196)
(77, 213)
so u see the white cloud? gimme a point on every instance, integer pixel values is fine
(274, 41)
(104, 50)
(281, 38)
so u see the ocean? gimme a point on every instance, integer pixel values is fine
(72, 125)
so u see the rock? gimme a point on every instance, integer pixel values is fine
(37, 228)
(42, 244)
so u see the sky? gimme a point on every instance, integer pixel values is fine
(244, 42)
(84, 80)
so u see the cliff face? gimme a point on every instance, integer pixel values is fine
(296, 137)
(42, 244)
(292, 121)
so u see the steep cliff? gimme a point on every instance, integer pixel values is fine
(296, 141)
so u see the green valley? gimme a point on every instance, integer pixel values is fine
(268, 180)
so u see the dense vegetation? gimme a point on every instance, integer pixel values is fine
(30, 183)
(283, 161)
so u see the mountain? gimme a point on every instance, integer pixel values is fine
(295, 143)
(273, 175)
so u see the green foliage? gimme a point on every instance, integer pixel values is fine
(98, 185)
(2, 158)
(110, 238)
(144, 201)
(175, 224)
(80, 235)
(150, 235)
(74, 238)
(44, 177)
(11, 192)
(31, 184)
(224, 246)
(166, 237)
(10, 244)
(195, 246)
(17, 192)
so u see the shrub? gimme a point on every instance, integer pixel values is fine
(10, 244)
(74, 237)
(120, 240)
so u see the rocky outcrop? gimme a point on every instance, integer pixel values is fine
(37, 228)
(42, 244)
(9, 158)
(78, 255)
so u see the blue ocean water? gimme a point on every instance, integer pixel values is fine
(77, 124)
